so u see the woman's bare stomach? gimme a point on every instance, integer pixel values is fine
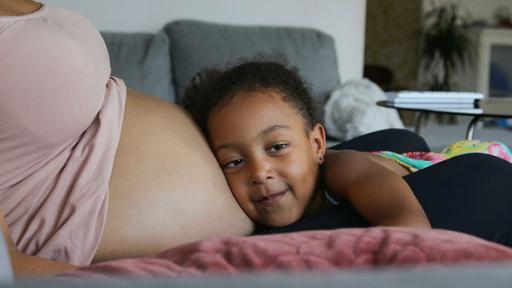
(166, 188)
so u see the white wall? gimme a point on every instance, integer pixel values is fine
(343, 19)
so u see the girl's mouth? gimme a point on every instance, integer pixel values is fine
(273, 199)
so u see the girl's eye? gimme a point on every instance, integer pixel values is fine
(278, 147)
(234, 163)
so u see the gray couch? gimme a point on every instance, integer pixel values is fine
(163, 63)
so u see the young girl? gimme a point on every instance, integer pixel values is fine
(260, 122)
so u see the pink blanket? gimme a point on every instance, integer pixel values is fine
(312, 250)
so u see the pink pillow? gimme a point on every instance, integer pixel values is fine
(309, 250)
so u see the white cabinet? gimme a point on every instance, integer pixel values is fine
(492, 70)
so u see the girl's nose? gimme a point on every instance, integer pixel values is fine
(261, 172)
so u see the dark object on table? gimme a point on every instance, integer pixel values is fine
(379, 74)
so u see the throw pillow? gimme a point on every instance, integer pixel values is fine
(196, 45)
(351, 111)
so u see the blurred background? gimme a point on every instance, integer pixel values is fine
(391, 42)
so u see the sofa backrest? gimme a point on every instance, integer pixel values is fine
(163, 64)
(195, 45)
(142, 61)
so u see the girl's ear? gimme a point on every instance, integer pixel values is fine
(318, 142)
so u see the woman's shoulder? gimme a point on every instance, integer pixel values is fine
(18, 8)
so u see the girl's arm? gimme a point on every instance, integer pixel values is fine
(377, 192)
(30, 266)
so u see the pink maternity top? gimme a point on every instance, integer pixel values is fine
(60, 121)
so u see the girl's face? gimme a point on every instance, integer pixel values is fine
(269, 159)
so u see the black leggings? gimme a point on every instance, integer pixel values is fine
(469, 193)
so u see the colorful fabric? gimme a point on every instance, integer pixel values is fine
(414, 161)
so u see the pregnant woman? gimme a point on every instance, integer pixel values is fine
(88, 170)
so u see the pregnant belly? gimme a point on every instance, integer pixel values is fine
(166, 187)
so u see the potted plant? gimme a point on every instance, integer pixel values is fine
(446, 48)
(446, 45)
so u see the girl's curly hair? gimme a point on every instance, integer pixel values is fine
(213, 87)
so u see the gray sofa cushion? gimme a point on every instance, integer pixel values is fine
(142, 60)
(196, 45)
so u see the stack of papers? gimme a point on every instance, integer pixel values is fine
(436, 100)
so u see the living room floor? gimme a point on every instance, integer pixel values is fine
(438, 136)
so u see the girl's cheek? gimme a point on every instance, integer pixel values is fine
(236, 186)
